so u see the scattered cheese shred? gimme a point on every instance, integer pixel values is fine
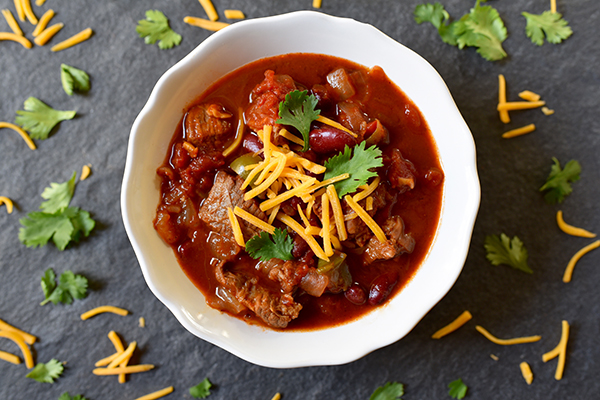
(338, 213)
(104, 309)
(454, 325)
(553, 6)
(571, 266)
(158, 394)
(19, 341)
(10, 20)
(124, 356)
(519, 131)
(29, 12)
(494, 357)
(8, 202)
(11, 358)
(205, 23)
(235, 226)
(106, 360)
(329, 181)
(277, 396)
(20, 131)
(529, 95)
(142, 321)
(547, 111)
(504, 117)
(259, 223)
(234, 14)
(118, 345)
(507, 342)
(526, 372)
(130, 369)
(16, 38)
(312, 243)
(20, 10)
(85, 172)
(571, 230)
(376, 229)
(27, 337)
(559, 351)
(316, 3)
(48, 34)
(209, 8)
(43, 22)
(335, 124)
(39, 2)
(520, 105)
(73, 40)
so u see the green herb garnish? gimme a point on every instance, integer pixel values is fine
(201, 390)
(358, 165)
(38, 119)
(389, 391)
(557, 184)
(156, 28)
(502, 250)
(74, 79)
(66, 396)
(298, 110)
(547, 24)
(261, 246)
(70, 287)
(46, 372)
(458, 390)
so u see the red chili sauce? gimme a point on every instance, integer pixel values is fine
(362, 99)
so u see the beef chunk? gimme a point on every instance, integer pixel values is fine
(207, 126)
(401, 172)
(398, 242)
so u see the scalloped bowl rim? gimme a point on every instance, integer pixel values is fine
(233, 47)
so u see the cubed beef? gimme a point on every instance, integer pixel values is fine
(207, 126)
(397, 242)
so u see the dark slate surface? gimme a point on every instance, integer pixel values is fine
(507, 302)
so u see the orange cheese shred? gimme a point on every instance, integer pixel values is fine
(452, 326)
(519, 131)
(520, 105)
(526, 372)
(19, 341)
(571, 266)
(27, 337)
(559, 351)
(507, 342)
(12, 22)
(8, 202)
(158, 394)
(571, 230)
(16, 38)
(29, 12)
(48, 34)
(130, 369)
(73, 40)
(205, 23)
(43, 22)
(504, 117)
(104, 309)
(11, 358)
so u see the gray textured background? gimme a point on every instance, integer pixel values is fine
(507, 302)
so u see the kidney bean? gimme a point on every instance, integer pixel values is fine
(356, 294)
(382, 287)
(434, 176)
(252, 143)
(328, 139)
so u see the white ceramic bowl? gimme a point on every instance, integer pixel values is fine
(309, 32)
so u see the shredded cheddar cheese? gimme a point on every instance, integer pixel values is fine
(142, 322)
(268, 204)
(11, 358)
(547, 111)
(85, 172)
(29, 12)
(39, 2)
(158, 394)
(104, 309)
(559, 351)
(316, 4)
(73, 40)
(529, 95)
(118, 345)
(20, 131)
(338, 213)
(124, 356)
(292, 138)
(519, 131)
(325, 222)
(277, 396)
(235, 226)
(571, 266)
(454, 325)
(234, 14)
(16, 38)
(20, 10)
(312, 243)
(494, 357)
(130, 369)
(19, 341)
(367, 191)
(362, 214)
(259, 223)
(27, 337)
(8, 202)
(205, 23)
(335, 124)
(526, 372)
(48, 34)
(43, 22)
(10, 20)
(504, 117)
(107, 360)
(571, 230)
(553, 6)
(209, 8)
(507, 342)
(520, 105)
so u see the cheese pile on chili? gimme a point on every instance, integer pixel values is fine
(282, 175)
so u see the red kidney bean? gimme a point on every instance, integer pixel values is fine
(252, 143)
(328, 139)
(356, 294)
(382, 287)
(434, 176)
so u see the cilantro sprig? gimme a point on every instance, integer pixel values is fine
(298, 110)
(547, 24)
(57, 220)
(46, 372)
(201, 390)
(557, 184)
(156, 28)
(261, 246)
(358, 163)
(70, 287)
(502, 250)
(458, 389)
(38, 118)
(74, 79)
(482, 28)
(389, 391)
(67, 396)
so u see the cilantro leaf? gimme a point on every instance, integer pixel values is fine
(201, 390)
(66, 396)
(458, 389)
(74, 79)
(261, 246)
(156, 28)
(58, 195)
(548, 24)
(437, 16)
(298, 110)
(358, 165)
(46, 372)
(502, 250)
(557, 184)
(389, 391)
(38, 119)
(70, 286)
